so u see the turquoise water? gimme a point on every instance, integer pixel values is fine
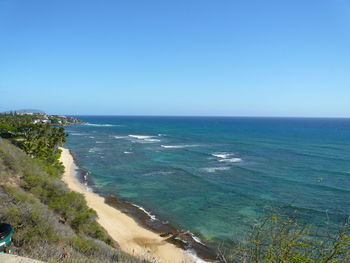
(217, 176)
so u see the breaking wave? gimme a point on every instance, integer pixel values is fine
(144, 138)
(226, 157)
(178, 146)
(100, 124)
(222, 155)
(152, 217)
(214, 169)
(120, 137)
(231, 160)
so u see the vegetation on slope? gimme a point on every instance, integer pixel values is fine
(38, 140)
(281, 238)
(52, 223)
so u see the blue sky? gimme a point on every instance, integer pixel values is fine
(183, 57)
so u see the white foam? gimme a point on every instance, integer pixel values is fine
(92, 137)
(214, 169)
(178, 146)
(172, 146)
(100, 125)
(144, 138)
(153, 217)
(127, 152)
(77, 134)
(120, 137)
(140, 137)
(194, 256)
(195, 238)
(151, 140)
(93, 149)
(158, 172)
(225, 157)
(232, 160)
(222, 155)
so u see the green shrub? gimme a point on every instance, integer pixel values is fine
(279, 238)
(39, 234)
(83, 245)
(28, 216)
(51, 223)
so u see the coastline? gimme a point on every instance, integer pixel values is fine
(130, 236)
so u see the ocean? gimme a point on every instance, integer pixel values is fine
(217, 176)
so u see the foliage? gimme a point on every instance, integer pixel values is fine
(37, 138)
(51, 222)
(71, 206)
(31, 219)
(39, 233)
(282, 239)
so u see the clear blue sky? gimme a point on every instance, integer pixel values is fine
(180, 57)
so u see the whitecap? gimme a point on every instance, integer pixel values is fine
(172, 146)
(157, 173)
(222, 155)
(93, 149)
(92, 137)
(151, 140)
(232, 160)
(144, 138)
(214, 169)
(100, 124)
(140, 137)
(120, 137)
(77, 134)
(127, 152)
(178, 146)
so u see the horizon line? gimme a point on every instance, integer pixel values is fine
(205, 116)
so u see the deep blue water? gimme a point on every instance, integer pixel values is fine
(216, 176)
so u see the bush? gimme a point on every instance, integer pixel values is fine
(39, 234)
(52, 223)
(281, 238)
(33, 221)
(83, 245)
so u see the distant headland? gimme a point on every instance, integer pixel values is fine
(39, 116)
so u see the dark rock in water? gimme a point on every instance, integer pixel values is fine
(165, 234)
(177, 242)
(183, 240)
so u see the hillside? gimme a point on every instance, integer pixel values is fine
(51, 222)
(8, 258)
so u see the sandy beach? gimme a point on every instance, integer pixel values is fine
(131, 237)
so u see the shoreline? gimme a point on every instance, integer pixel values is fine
(129, 234)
